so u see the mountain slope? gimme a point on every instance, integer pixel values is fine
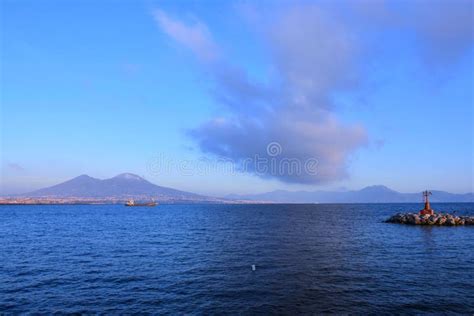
(125, 185)
(371, 194)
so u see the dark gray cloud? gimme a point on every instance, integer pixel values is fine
(301, 135)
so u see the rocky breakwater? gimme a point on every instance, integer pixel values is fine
(437, 219)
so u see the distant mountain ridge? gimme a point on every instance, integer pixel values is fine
(122, 186)
(128, 185)
(370, 194)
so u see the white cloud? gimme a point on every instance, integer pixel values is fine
(313, 56)
(194, 36)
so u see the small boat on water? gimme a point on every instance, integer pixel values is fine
(133, 203)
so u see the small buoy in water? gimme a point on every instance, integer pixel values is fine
(253, 267)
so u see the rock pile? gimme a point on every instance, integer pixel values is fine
(438, 219)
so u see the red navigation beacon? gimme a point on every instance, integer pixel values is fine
(427, 210)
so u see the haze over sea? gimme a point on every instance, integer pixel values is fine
(180, 259)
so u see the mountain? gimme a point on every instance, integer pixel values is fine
(371, 194)
(123, 186)
(128, 185)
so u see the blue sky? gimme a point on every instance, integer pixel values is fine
(378, 92)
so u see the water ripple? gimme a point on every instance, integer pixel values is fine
(196, 259)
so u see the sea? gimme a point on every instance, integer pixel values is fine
(233, 259)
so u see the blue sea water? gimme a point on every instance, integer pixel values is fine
(197, 259)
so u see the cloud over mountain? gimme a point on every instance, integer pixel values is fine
(315, 52)
(313, 56)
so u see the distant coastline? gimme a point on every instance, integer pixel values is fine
(27, 201)
(116, 190)
(110, 201)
